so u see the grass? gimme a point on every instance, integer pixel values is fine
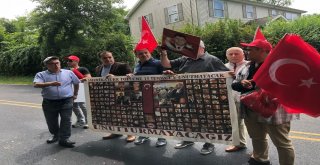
(18, 80)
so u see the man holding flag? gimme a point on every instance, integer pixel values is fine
(147, 66)
(276, 126)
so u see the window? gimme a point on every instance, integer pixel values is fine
(149, 19)
(174, 13)
(249, 11)
(274, 13)
(291, 16)
(218, 8)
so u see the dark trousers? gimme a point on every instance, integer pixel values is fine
(52, 109)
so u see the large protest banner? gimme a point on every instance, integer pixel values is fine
(193, 107)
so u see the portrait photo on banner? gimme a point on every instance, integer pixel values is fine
(180, 43)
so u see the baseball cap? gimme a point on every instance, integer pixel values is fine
(259, 43)
(50, 58)
(73, 58)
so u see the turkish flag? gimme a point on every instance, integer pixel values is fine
(291, 73)
(258, 35)
(147, 40)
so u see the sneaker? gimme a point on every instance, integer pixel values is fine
(85, 126)
(207, 148)
(161, 142)
(183, 144)
(141, 140)
(77, 124)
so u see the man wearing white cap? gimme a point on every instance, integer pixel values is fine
(58, 95)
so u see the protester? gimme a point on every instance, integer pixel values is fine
(79, 107)
(111, 68)
(58, 96)
(277, 126)
(204, 63)
(236, 58)
(147, 66)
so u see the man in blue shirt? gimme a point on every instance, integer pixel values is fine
(147, 66)
(58, 95)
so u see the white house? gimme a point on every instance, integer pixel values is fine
(173, 14)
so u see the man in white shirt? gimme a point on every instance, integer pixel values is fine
(236, 58)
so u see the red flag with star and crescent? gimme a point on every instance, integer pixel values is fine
(291, 72)
(147, 40)
(258, 35)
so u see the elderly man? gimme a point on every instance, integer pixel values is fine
(277, 126)
(147, 66)
(237, 60)
(204, 63)
(111, 68)
(58, 96)
(79, 107)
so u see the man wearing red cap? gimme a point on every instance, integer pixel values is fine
(79, 107)
(277, 126)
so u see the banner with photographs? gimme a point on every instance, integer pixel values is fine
(193, 107)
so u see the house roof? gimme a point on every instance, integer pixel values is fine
(136, 6)
(263, 21)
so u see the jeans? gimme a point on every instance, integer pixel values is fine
(80, 111)
(52, 109)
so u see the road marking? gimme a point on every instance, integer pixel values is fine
(17, 102)
(33, 105)
(305, 133)
(21, 105)
(304, 138)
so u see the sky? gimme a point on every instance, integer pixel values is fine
(10, 9)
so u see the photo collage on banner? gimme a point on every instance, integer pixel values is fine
(186, 105)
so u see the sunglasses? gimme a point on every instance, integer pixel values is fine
(69, 61)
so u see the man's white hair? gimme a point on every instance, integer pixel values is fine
(202, 44)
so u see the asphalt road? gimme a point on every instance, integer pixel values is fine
(24, 132)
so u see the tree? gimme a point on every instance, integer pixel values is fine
(65, 23)
(84, 28)
(277, 2)
(221, 35)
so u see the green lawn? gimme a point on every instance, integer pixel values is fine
(16, 80)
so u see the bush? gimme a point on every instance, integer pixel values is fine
(220, 36)
(308, 27)
(21, 61)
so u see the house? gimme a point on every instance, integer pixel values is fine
(173, 14)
